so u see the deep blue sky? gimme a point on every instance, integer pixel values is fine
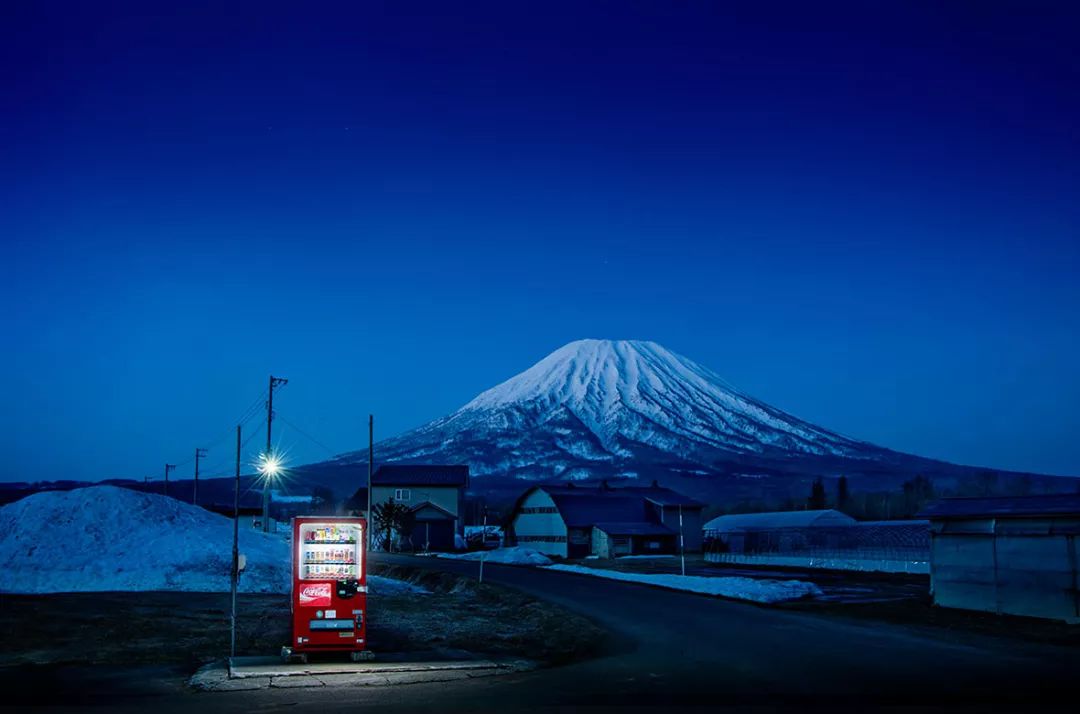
(865, 216)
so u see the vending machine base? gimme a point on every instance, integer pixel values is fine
(288, 656)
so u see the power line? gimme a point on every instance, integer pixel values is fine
(307, 436)
(223, 468)
(247, 415)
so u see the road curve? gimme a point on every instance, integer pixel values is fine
(685, 649)
(680, 650)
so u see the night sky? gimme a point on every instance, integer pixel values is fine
(867, 217)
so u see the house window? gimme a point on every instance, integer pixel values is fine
(402, 494)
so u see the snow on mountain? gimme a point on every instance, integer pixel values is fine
(108, 538)
(633, 389)
(609, 408)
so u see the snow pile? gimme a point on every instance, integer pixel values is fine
(646, 557)
(108, 538)
(506, 556)
(766, 591)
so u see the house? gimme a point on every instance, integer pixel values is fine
(575, 521)
(435, 496)
(1008, 555)
(777, 531)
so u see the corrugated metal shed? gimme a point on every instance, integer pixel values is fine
(1014, 554)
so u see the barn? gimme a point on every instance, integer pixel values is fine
(571, 521)
(1008, 555)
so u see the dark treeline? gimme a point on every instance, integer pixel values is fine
(905, 502)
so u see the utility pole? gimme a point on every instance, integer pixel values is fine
(274, 382)
(682, 542)
(199, 454)
(370, 463)
(235, 549)
(483, 551)
(168, 468)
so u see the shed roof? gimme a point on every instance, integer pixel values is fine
(634, 528)
(437, 512)
(664, 496)
(779, 519)
(907, 522)
(1067, 504)
(421, 475)
(586, 507)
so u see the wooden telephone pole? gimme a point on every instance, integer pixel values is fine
(168, 468)
(199, 454)
(370, 463)
(235, 549)
(274, 382)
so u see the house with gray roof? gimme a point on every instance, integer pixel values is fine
(571, 521)
(434, 494)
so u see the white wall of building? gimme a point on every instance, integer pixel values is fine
(539, 526)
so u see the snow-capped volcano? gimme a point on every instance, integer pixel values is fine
(605, 408)
(629, 390)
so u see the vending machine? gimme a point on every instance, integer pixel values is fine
(329, 587)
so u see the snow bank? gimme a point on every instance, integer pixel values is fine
(865, 565)
(731, 587)
(109, 538)
(507, 556)
(646, 557)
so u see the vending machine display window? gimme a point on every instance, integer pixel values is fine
(329, 551)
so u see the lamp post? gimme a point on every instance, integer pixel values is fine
(274, 383)
(269, 467)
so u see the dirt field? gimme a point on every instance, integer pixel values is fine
(457, 619)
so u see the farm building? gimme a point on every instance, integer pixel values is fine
(575, 521)
(777, 531)
(1009, 555)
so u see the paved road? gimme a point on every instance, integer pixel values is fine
(684, 650)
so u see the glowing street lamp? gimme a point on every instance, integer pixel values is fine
(270, 467)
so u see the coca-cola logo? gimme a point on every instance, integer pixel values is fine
(317, 595)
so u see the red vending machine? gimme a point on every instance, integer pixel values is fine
(329, 587)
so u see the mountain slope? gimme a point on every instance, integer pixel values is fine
(601, 408)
